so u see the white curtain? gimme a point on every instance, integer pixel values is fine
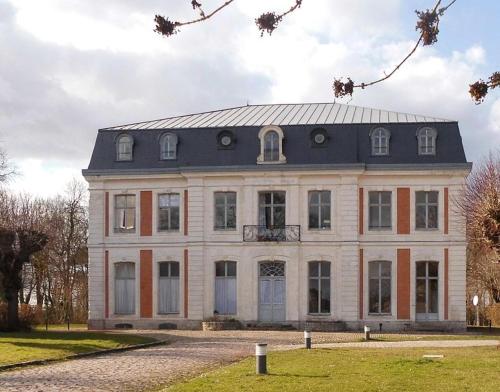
(125, 288)
(168, 291)
(225, 295)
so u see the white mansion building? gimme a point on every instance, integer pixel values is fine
(327, 214)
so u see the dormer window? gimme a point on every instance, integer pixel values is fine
(426, 141)
(380, 141)
(319, 137)
(124, 148)
(271, 145)
(168, 146)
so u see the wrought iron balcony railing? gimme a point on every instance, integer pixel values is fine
(255, 233)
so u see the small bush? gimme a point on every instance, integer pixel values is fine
(493, 314)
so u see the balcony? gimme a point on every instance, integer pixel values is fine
(255, 233)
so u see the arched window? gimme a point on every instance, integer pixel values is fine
(124, 288)
(124, 148)
(426, 141)
(271, 145)
(225, 287)
(168, 146)
(380, 141)
(168, 287)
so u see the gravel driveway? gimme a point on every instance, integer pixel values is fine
(188, 353)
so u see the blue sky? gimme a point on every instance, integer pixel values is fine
(70, 67)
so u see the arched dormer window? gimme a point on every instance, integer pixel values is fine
(168, 146)
(426, 141)
(124, 148)
(380, 138)
(271, 145)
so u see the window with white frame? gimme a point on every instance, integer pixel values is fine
(225, 287)
(124, 148)
(319, 287)
(124, 288)
(426, 141)
(379, 210)
(426, 210)
(168, 212)
(168, 287)
(380, 138)
(271, 145)
(168, 146)
(225, 210)
(319, 210)
(272, 209)
(379, 287)
(124, 213)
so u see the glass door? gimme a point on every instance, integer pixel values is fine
(427, 296)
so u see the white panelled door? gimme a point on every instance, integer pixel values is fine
(272, 294)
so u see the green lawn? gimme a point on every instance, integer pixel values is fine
(461, 369)
(27, 346)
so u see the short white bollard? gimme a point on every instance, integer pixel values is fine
(261, 358)
(367, 332)
(307, 339)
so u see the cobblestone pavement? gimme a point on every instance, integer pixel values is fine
(188, 353)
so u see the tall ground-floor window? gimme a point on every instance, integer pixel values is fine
(379, 287)
(168, 287)
(427, 289)
(225, 287)
(319, 287)
(124, 288)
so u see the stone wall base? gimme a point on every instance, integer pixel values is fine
(326, 326)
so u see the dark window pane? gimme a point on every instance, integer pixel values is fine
(313, 295)
(231, 217)
(433, 197)
(420, 197)
(374, 296)
(385, 268)
(373, 269)
(373, 216)
(174, 269)
(325, 216)
(325, 269)
(164, 269)
(433, 269)
(313, 218)
(325, 197)
(174, 218)
(314, 197)
(433, 217)
(279, 197)
(313, 269)
(325, 296)
(219, 198)
(163, 220)
(219, 217)
(386, 197)
(386, 216)
(231, 197)
(421, 269)
(385, 301)
(231, 268)
(420, 217)
(433, 296)
(420, 296)
(373, 196)
(279, 216)
(220, 269)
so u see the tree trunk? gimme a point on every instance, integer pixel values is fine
(12, 309)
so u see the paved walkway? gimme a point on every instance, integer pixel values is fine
(190, 353)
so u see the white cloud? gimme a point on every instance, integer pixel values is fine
(495, 115)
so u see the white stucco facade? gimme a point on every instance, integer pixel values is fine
(346, 245)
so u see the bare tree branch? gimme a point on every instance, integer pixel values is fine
(7, 169)
(268, 22)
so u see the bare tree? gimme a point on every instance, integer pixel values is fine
(427, 25)
(480, 205)
(7, 169)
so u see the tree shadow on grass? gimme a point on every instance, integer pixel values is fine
(72, 348)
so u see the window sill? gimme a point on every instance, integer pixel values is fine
(319, 230)
(380, 315)
(225, 230)
(427, 229)
(168, 314)
(386, 229)
(123, 231)
(319, 314)
(174, 231)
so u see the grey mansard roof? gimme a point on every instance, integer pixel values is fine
(348, 128)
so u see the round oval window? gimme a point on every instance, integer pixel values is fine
(225, 140)
(319, 138)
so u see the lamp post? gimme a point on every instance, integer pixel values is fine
(261, 358)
